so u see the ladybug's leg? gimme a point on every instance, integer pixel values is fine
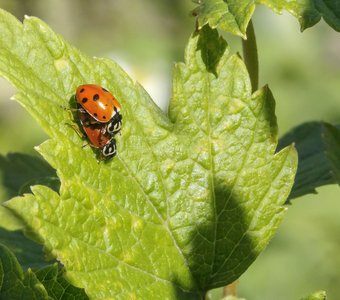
(73, 109)
(103, 130)
(69, 110)
(79, 109)
(89, 144)
(80, 134)
(86, 120)
(76, 129)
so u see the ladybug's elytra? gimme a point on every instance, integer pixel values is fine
(98, 136)
(98, 102)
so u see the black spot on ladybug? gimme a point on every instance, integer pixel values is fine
(84, 100)
(115, 109)
(105, 90)
(104, 117)
(82, 90)
(95, 97)
(95, 114)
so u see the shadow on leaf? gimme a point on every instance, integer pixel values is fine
(20, 171)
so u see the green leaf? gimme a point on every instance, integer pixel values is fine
(319, 295)
(47, 283)
(318, 146)
(187, 204)
(14, 284)
(28, 253)
(18, 172)
(233, 137)
(308, 12)
(233, 15)
(232, 298)
(56, 286)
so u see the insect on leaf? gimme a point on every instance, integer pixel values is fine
(191, 198)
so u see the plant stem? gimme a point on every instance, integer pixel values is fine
(230, 289)
(250, 56)
(206, 296)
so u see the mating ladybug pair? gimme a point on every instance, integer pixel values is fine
(99, 115)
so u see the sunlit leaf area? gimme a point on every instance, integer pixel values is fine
(153, 44)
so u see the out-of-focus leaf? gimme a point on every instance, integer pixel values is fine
(318, 146)
(14, 284)
(308, 12)
(233, 15)
(46, 284)
(28, 253)
(56, 285)
(319, 295)
(18, 172)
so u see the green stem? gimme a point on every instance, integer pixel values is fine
(250, 56)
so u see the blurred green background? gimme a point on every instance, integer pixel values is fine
(302, 70)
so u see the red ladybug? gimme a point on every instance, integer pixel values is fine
(98, 102)
(112, 127)
(98, 136)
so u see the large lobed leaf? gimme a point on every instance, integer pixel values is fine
(188, 203)
(14, 283)
(318, 146)
(45, 284)
(56, 286)
(234, 15)
(28, 253)
(18, 172)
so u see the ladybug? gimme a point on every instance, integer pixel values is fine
(98, 102)
(112, 127)
(98, 136)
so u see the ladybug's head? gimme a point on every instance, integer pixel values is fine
(110, 149)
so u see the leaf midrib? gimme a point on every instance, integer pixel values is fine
(157, 213)
(211, 174)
